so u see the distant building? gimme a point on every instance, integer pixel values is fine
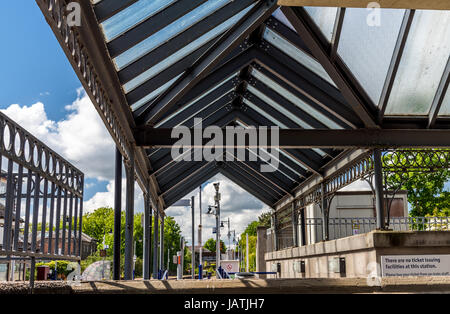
(88, 244)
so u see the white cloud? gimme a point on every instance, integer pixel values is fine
(106, 199)
(236, 204)
(81, 137)
(83, 140)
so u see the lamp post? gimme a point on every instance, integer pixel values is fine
(217, 201)
(217, 214)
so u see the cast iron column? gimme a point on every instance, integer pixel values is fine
(303, 226)
(161, 245)
(378, 180)
(294, 225)
(155, 245)
(129, 221)
(193, 238)
(324, 205)
(117, 215)
(147, 235)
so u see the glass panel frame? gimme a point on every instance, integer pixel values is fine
(168, 32)
(423, 62)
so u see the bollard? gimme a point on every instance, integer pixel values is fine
(200, 271)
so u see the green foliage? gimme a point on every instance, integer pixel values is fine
(100, 225)
(251, 251)
(251, 228)
(426, 189)
(62, 267)
(210, 245)
(265, 219)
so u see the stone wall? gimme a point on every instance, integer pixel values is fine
(359, 252)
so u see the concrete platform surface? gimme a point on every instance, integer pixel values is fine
(253, 286)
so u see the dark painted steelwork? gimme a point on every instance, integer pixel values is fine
(228, 42)
(117, 214)
(151, 26)
(379, 194)
(165, 50)
(440, 95)
(299, 20)
(155, 244)
(317, 138)
(329, 103)
(129, 219)
(106, 9)
(395, 61)
(147, 238)
(33, 173)
(339, 21)
(166, 75)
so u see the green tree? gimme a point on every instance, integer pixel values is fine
(426, 189)
(100, 224)
(210, 245)
(265, 219)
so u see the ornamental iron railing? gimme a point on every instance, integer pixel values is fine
(41, 199)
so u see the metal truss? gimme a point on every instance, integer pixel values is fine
(84, 50)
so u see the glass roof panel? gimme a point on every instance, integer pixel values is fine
(324, 17)
(445, 108)
(153, 94)
(132, 16)
(297, 54)
(281, 109)
(197, 99)
(265, 114)
(280, 151)
(277, 122)
(295, 100)
(279, 15)
(168, 32)
(367, 50)
(424, 59)
(186, 50)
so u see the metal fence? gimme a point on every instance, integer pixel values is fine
(344, 227)
(41, 197)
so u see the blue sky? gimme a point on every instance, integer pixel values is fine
(33, 66)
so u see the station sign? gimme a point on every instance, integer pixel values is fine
(415, 265)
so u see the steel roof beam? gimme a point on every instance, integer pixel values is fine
(105, 9)
(258, 180)
(301, 22)
(301, 139)
(226, 43)
(151, 26)
(278, 115)
(200, 177)
(165, 76)
(210, 111)
(392, 4)
(289, 76)
(440, 96)
(275, 178)
(222, 120)
(395, 62)
(170, 47)
(247, 185)
(201, 108)
(234, 62)
(308, 158)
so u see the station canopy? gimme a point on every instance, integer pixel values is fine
(254, 63)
